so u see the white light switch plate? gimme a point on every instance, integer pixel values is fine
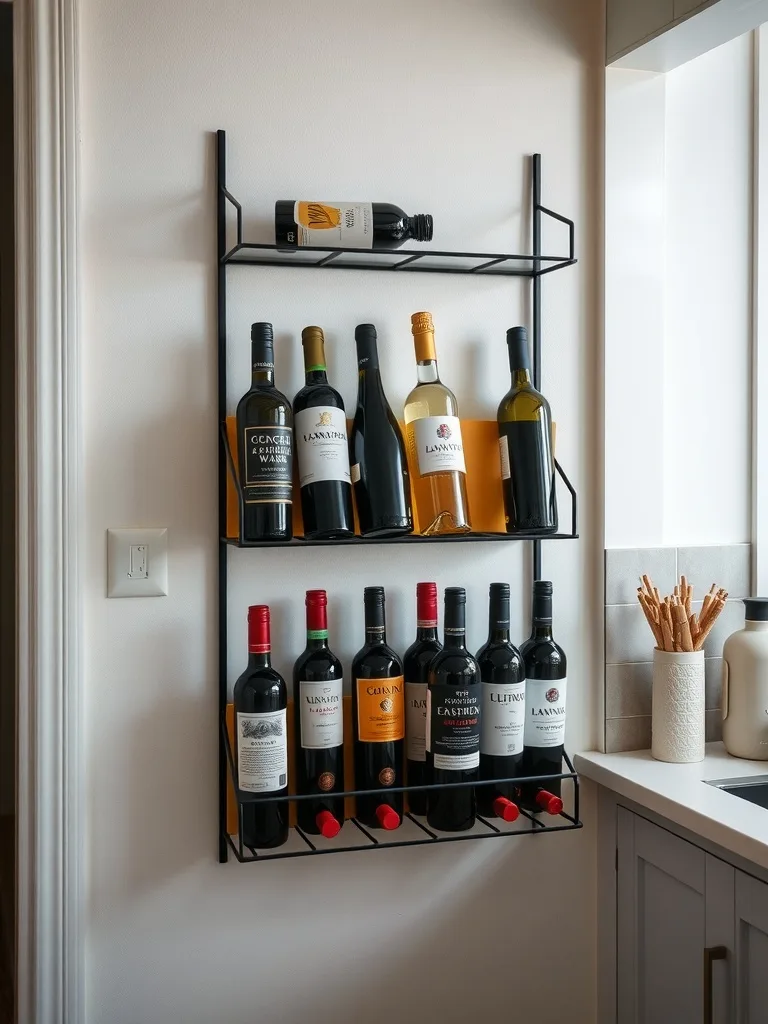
(137, 563)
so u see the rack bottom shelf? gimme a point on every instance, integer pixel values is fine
(412, 832)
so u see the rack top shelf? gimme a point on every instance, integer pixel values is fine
(412, 260)
(408, 538)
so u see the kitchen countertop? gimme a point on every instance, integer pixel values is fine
(678, 792)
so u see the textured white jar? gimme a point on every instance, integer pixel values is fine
(677, 724)
(745, 685)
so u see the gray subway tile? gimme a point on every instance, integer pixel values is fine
(625, 566)
(727, 565)
(628, 636)
(713, 682)
(628, 690)
(728, 621)
(713, 725)
(627, 734)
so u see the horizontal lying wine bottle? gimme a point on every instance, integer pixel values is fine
(347, 225)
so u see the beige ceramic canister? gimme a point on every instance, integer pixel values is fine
(745, 685)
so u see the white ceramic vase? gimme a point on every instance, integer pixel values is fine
(678, 706)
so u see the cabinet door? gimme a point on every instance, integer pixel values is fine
(751, 950)
(661, 925)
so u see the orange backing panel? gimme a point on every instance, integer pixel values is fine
(481, 449)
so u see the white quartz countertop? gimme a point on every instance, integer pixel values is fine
(678, 792)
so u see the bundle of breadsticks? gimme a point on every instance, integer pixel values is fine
(674, 626)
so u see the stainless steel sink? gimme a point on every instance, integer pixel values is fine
(753, 788)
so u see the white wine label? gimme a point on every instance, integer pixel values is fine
(322, 714)
(330, 225)
(453, 726)
(415, 721)
(262, 752)
(268, 464)
(321, 445)
(504, 456)
(503, 720)
(439, 445)
(354, 472)
(544, 712)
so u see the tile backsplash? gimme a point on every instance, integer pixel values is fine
(628, 640)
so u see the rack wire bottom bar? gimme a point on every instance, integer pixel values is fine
(355, 837)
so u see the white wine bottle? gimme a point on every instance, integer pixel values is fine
(434, 441)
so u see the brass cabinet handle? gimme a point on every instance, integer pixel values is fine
(711, 953)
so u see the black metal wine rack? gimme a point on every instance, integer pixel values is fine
(534, 266)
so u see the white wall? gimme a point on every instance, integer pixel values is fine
(432, 105)
(678, 301)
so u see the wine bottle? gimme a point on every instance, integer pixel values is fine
(377, 452)
(434, 440)
(347, 225)
(503, 701)
(265, 447)
(415, 665)
(379, 717)
(322, 448)
(318, 708)
(260, 699)
(453, 723)
(545, 692)
(525, 447)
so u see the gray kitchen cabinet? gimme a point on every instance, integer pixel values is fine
(675, 910)
(751, 978)
(629, 22)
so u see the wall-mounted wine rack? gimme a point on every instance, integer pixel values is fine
(533, 266)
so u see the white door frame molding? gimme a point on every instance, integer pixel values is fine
(50, 806)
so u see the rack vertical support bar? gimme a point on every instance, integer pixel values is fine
(536, 314)
(221, 328)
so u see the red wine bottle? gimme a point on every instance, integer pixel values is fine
(503, 676)
(261, 742)
(265, 447)
(377, 450)
(347, 225)
(379, 717)
(453, 723)
(415, 665)
(318, 709)
(545, 692)
(322, 448)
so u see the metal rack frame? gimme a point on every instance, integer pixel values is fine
(533, 265)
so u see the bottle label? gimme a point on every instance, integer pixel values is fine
(262, 752)
(453, 726)
(334, 225)
(544, 712)
(415, 721)
(322, 714)
(439, 445)
(268, 465)
(506, 473)
(321, 445)
(503, 719)
(380, 710)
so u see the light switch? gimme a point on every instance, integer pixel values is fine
(137, 563)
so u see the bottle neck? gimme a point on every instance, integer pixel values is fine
(542, 629)
(315, 370)
(455, 638)
(316, 375)
(521, 377)
(455, 624)
(424, 633)
(262, 364)
(498, 617)
(317, 626)
(259, 659)
(426, 372)
(375, 635)
(375, 623)
(317, 640)
(755, 626)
